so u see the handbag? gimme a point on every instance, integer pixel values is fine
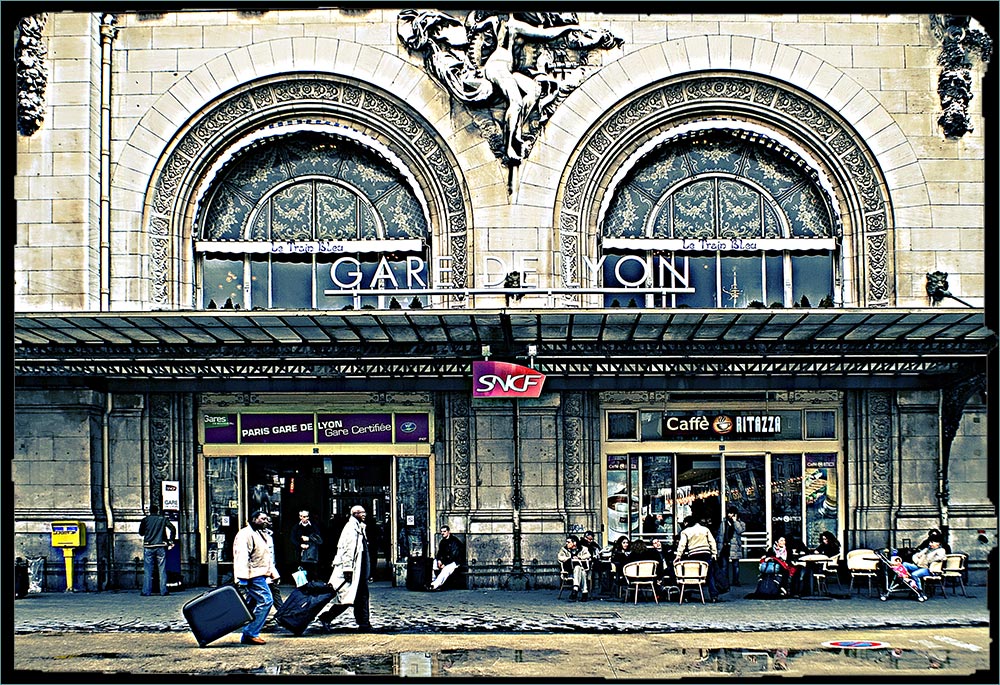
(300, 578)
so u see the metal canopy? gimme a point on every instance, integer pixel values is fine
(597, 348)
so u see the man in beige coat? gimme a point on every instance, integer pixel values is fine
(252, 566)
(351, 568)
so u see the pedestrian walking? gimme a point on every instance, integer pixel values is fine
(351, 569)
(252, 566)
(306, 535)
(158, 535)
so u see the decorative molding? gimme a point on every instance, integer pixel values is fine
(31, 74)
(635, 121)
(160, 433)
(958, 43)
(880, 446)
(573, 450)
(274, 102)
(461, 447)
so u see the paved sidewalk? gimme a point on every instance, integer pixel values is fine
(398, 610)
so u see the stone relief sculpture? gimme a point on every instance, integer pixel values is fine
(523, 63)
(958, 41)
(30, 55)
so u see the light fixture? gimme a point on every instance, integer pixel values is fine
(486, 352)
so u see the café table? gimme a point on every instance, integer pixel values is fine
(814, 562)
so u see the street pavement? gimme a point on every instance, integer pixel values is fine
(398, 610)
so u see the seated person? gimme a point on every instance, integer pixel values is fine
(922, 559)
(664, 556)
(621, 553)
(780, 553)
(935, 534)
(828, 546)
(450, 555)
(575, 561)
(598, 567)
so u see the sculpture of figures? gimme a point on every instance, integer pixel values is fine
(486, 58)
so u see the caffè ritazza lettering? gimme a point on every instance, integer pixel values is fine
(412, 273)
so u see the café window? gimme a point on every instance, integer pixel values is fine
(732, 222)
(311, 221)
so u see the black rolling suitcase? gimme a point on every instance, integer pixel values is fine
(302, 606)
(215, 614)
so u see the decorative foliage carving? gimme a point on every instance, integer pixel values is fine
(159, 439)
(520, 64)
(573, 450)
(879, 447)
(461, 448)
(32, 74)
(958, 42)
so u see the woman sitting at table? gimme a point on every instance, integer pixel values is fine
(786, 576)
(828, 547)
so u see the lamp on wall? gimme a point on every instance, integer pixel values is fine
(532, 351)
(486, 352)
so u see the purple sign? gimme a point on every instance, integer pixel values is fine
(260, 429)
(220, 429)
(412, 428)
(338, 428)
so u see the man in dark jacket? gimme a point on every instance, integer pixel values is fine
(450, 555)
(158, 533)
(306, 537)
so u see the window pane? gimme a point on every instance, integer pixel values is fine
(337, 212)
(775, 266)
(812, 279)
(623, 497)
(741, 280)
(292, 283)
(657, 496)
(291, 218)
(324, 282)
(259, 281)
(621, 425)
(739, 211)
(702, 272)
(745, 492)
(652, 425)
(821, 495)
(222, 280)
(623, 271)
(698, 488)
(821, 424)
(694, 210)
(786, 498)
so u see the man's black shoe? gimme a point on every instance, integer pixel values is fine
(584, 597)
(572, 596)
(366, 629)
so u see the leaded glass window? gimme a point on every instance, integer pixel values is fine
(307, 221)
(743, 224)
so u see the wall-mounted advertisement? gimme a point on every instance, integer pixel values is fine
(316, 429)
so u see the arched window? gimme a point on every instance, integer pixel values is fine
(298, 222)
(725, 221)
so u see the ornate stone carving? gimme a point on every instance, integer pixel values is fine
(624, 126)
(32, 74)
(342, 99)
(160, 422)
(573, 450)
(461, 448)
(958, 42)
(522, 64)
(879, 447)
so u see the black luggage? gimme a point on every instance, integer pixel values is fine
(418, 573)
(216, 613)
(22, 580)
(302, 606)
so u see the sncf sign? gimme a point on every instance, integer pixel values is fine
(500, 379)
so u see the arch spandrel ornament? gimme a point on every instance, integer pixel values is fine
(745, 102)
(316, 98)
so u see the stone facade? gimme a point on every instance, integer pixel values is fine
(139, 109)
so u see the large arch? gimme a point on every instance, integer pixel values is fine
(749, 105)
(238, 97)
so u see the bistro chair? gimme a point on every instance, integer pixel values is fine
(823, 573)
(862, 563)
(565, 580)
(690, 572)
(935, 578)
(953, 571)
(641, 575)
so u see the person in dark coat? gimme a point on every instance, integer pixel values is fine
(307, 539)
(158, 534)
(450, 555)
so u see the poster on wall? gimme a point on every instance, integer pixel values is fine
(170, 493)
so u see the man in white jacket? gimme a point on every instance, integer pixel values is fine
(351, 568)
(252, 566)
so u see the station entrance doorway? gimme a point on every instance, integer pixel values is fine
(327, 487)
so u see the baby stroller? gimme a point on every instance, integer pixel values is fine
(897, 578)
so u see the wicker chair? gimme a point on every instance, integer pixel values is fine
(691, 573)
(641, 575)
